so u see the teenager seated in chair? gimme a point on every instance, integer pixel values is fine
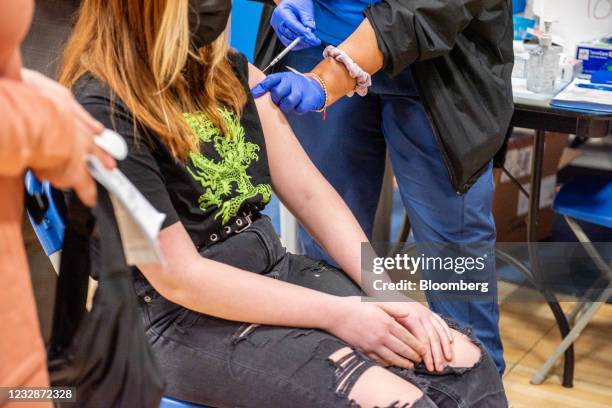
(234, 319)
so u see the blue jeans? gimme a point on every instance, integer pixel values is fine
(349, 149)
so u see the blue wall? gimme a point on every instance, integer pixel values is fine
(518, 6)
(245, 19)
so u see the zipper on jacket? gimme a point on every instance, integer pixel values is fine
(453, 178)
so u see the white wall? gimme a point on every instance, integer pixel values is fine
(579, 20)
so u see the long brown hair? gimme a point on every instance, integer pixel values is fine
(142, 50)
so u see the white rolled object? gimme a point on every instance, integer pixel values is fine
(112, 143)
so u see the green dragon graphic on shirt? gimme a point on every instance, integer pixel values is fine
(226, 182)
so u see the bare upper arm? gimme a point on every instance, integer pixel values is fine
(292, 179)
(255, 75)
(179, 253)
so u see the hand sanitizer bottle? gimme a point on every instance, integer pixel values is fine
(543, 63)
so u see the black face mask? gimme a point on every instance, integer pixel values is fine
(207, 20)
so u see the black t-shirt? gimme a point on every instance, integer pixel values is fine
(229, 174)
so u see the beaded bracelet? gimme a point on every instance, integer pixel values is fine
(321, 82)
(364, 80)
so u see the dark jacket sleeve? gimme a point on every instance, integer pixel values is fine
(417, 30)
(267, 44)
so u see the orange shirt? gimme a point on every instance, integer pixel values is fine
(30, 136)
(33, 134)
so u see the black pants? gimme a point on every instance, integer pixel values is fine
(221, 363)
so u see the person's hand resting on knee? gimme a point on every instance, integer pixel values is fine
(409, 333)
(429, 328)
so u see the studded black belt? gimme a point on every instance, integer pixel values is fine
(236, 225)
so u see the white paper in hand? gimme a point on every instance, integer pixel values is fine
(139, 222)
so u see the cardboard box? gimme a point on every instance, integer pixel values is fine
(510, 206)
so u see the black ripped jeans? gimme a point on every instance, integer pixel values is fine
(221, 363)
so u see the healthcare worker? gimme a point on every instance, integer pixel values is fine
(432, 84)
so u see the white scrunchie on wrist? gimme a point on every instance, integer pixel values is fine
(364, 80)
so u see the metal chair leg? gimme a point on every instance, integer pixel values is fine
(588, 246)
(572, 336)
(511, 260)
(590, 308)
(582, 303)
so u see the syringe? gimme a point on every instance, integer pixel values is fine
(283, 53)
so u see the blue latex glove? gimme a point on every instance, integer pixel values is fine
(292, 92)
(293, 18)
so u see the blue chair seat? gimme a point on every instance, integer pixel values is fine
(586, 198)
(168, 402)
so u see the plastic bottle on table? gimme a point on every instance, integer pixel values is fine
(543, 63)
